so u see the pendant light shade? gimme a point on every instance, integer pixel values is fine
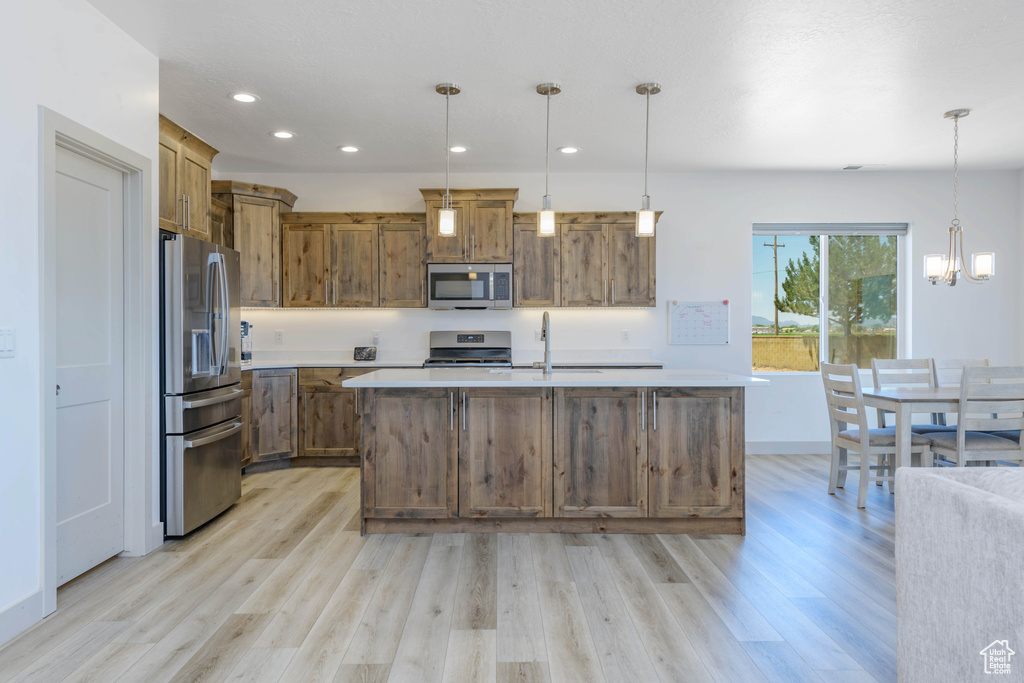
(446, 214)
(546, 217)
(645, 216)
(949, 267)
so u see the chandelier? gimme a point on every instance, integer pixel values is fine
(949, 267)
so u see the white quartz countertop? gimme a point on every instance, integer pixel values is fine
(484, 377)
(333, 363)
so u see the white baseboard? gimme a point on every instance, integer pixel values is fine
(21, 615)
(788, 447)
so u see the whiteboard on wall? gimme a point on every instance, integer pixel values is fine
(698, 322)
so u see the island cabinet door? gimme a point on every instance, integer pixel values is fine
(410, 451)
(504, 452)
(695, 444)
(600, 457)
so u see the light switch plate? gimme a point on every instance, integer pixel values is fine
(7, 342)
(279, 336)
(376, 337)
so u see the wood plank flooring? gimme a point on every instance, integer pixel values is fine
(283, 588)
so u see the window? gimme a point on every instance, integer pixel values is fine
(840, 278)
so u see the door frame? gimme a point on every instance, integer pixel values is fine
(143, 531)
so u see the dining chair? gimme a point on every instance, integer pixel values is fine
(949, 371)
(989, 419)
(889, 373)
(848, 420)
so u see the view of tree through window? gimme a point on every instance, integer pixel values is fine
(860, 288)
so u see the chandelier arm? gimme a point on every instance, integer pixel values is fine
(950, 258)
(966, 273)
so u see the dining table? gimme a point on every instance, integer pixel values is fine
(905, 402)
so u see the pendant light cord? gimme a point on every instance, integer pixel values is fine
(956, 169)
(447, 152)
(547, 142)
(647, 138)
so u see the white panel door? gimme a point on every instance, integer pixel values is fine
(90, 364)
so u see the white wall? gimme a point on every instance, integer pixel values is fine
(704, 253)
(64, 55)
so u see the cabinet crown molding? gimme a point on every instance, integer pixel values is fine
(254, 190)
(497, 193)
(173, 130)
(352, 217)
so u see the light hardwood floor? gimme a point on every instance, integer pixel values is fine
(283, 588)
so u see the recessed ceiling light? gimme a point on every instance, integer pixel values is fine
(283, 134)
(459, 148)
(244, 97)
(348, 148)
(568, 150)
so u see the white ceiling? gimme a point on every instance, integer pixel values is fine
(748, 84)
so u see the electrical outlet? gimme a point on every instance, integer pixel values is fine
(279, 336)
(625, 336)
(7, 342)
(537, 336)
(376, 337)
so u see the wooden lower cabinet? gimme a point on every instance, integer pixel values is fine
(328, 414)
(410, 451)
(274, 414)
(568, 459)
(695, 447)
(246, 418)
(600, 455)
(505, 452)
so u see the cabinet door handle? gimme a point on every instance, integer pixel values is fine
(188, 211)
(654, 400)
(472, 247)
(518, 295)
(643, 412)
(184, 215)
(604, 292)
(451, 411)
(463, 411)
(613, 291)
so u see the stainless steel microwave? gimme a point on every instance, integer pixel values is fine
(469, 285)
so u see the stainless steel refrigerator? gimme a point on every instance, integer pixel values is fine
(201, 382)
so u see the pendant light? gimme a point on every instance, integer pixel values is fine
(546, 217)
(645, 217)
(949, 267)
(446, 214)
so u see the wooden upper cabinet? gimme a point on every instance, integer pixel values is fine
(403, 271)
(258, 239)
(584, 265)
(537, 264)
(222, 226)
(453, 249)
(409, 453)
(256, 234)
(483, 231)
(185, 164)
(630, 267)
(695, 446)
(353, 264)
(504, 452)
(275, 414)
(603, 262)
(304, 254)
(600, 455)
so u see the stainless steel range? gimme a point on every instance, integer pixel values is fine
(487, 349)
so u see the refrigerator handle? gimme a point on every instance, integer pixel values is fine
(214, 360)
(225, 313)
(234, 428)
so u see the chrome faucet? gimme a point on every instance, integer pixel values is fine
(545, 334)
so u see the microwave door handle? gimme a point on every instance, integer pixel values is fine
(233, 429)
(491, 288)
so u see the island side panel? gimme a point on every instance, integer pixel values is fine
(696, 442)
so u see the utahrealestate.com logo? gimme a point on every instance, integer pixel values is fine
(997, 657)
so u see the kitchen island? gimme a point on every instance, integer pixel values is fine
(601, 451)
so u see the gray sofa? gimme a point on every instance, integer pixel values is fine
(960, 573)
